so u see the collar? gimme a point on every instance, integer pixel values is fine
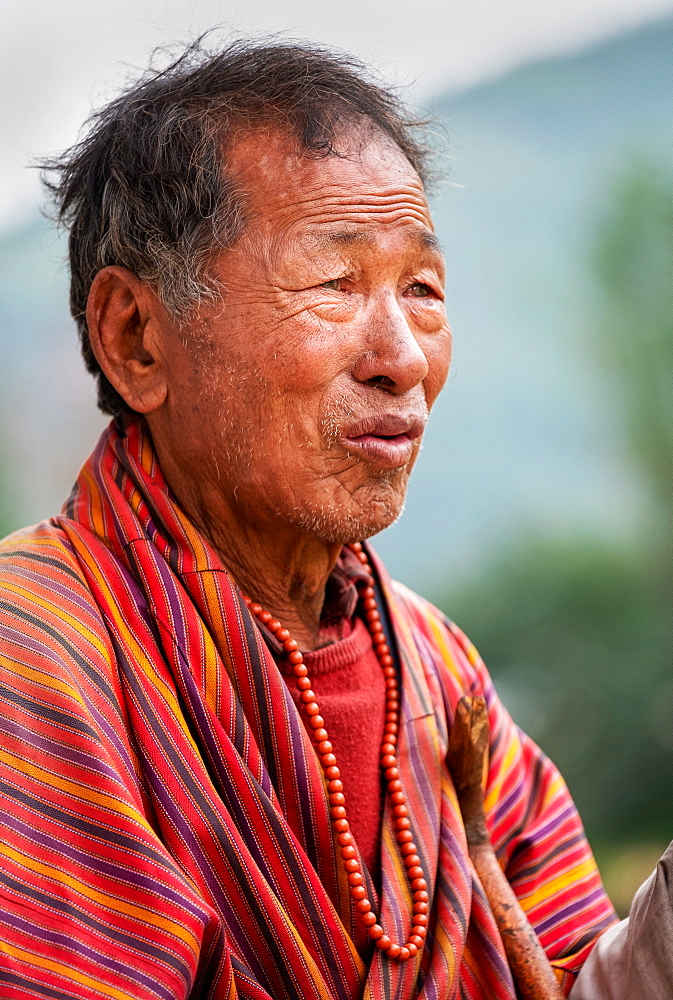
(341, 598)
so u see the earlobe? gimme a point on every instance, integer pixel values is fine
(125, 320)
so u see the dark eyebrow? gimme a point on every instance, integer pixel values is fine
(346, 237)
(430, 241)
(349, 237)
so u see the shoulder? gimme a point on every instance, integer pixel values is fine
(38, 567)
(47, 611)
(441, 642)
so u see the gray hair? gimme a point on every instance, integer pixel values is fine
(147, 186)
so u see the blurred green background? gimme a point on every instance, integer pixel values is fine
(539, 514)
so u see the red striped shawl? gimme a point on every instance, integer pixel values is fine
(165, 829)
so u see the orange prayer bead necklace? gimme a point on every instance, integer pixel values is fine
(391, 772)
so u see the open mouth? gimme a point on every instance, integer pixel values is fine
(387, 440)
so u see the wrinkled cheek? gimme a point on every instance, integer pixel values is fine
(439, 363)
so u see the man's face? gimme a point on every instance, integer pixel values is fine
(302, 397)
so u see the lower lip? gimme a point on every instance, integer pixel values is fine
(387, 453)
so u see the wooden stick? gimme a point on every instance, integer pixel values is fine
(468, 763)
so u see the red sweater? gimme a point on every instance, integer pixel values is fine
(350, 689)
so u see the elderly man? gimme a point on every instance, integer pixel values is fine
(224, 728)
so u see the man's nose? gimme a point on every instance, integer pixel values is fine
(392, 356)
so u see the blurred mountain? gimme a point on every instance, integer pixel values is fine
(527, 430)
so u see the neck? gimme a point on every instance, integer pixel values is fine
(274, 563)
(287, 577)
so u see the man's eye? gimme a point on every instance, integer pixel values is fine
(334, 284)
(419, 290)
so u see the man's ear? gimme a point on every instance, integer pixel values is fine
(126, 321)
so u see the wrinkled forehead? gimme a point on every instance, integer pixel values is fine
(366, 182)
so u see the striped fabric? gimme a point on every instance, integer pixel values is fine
(165, 828)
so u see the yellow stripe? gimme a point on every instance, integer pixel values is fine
(66, 971)
(142, 913)
(504, 769)
(75, 790)
(572, 877)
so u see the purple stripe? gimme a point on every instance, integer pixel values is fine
(569, 911)
(58, 750)
(96, 716)
(96, 863)
(98, 957)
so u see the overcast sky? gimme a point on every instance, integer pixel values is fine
(59, 58)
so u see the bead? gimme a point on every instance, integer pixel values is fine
(388, 754)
